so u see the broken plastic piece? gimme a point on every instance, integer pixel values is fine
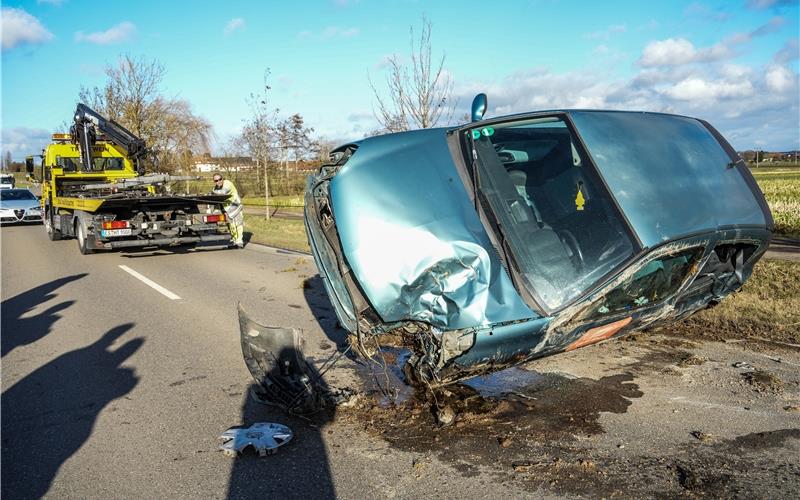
(275, 358)
(264, 437)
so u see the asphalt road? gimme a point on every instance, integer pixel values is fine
(112, 388)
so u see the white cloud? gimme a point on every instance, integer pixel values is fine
(780, 79)
(234, 24)
(122, 32)
(679, 51)
(747, 103)
(734, 71)
(22, 141)
(669, 52)
(698, 89)
(20, 28)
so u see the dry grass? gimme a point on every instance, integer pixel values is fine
(782, 190)
(767, 307)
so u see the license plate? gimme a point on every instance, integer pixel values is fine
(115, 232)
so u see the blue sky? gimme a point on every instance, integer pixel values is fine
(734, 63)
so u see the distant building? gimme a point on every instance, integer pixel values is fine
(208, 163)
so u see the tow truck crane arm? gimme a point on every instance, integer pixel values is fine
(89, 126)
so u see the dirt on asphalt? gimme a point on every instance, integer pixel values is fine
(548, 434)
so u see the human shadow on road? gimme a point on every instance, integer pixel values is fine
(298, 469)
(19, 331)
(48, 415)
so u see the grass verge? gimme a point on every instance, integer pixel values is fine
(767, 307)
(283, 233)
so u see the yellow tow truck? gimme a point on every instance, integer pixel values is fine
(94, 189)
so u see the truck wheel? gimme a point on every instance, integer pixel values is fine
(83, 239)
(52, 233)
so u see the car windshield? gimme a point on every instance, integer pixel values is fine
(16, 195)
(559, 222)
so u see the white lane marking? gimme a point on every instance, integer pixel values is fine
(152, 284)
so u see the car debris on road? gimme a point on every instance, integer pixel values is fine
(264, 437)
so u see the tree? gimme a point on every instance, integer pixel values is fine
(419, 94)
(7, 160)
(258, 131)
(299, 136)
(132, 97)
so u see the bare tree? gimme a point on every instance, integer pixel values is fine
(132, 97)
(7, 161)
(322, 149)
(258, 131)
(419, 94)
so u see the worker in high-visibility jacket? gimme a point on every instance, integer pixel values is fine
(233, 208)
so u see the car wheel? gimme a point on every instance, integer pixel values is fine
(52, 233)
(83, 239)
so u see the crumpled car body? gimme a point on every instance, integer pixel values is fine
(519, 237)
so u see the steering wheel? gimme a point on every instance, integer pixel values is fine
(566, 237)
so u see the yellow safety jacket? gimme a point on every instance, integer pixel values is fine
(233, 205)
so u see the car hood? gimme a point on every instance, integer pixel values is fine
(18, 204)
(411, 235)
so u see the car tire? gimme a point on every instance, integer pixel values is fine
(83, 238)
(52, 233)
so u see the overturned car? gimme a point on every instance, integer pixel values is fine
(519, 237)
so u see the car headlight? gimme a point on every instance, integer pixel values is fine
(34, 209)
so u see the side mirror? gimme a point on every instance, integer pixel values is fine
(479, 104)
(29, 164)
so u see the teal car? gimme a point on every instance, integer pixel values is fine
(514, 238)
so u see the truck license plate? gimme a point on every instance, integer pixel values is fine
(115, 232)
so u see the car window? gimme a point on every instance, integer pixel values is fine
(560, 223)
(657, 281)
(107, 163)
(16, 195)
(69, 164)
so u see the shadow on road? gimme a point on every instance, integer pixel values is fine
(298, 469)
(48, 415)
(142, 252)
(19, 331)
(323, 311)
